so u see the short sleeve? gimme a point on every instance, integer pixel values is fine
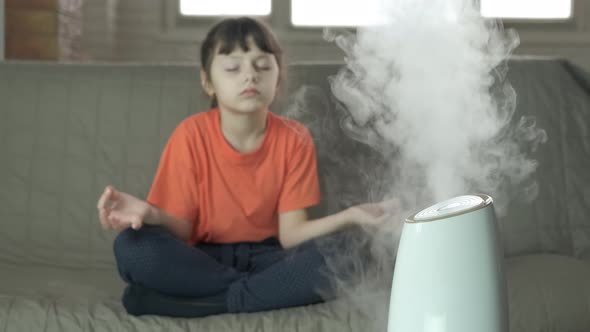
(174, 188)
(301, 187)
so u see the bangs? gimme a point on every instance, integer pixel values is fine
(231, 36)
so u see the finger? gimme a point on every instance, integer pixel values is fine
(138, 222)
(133, 222)
(376, 210)
(103, 217)
(116, 216)
(136, 225)
(115, 220)
(383, 219)
(110, 223)
(380, 210)
(115, 194)
(123, 220)
(102, 201)
(392, 203)
(367, 208)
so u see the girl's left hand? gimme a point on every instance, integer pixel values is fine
(372, 213)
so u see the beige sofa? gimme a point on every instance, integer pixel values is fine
(68, 130)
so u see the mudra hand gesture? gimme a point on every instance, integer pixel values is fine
(118, 210)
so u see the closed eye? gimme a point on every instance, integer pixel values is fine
(262, 64)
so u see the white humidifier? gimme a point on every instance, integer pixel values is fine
(449, 270)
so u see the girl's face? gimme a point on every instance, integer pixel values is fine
(243, 82)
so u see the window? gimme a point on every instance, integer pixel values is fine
(320, 13)
(527, 9)
(334, 13)
(363, 12)
(225, 7)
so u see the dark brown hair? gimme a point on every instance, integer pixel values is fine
(231, 32)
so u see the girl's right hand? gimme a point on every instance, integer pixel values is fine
(118, 210)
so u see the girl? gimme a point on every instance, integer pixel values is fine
(224, 227)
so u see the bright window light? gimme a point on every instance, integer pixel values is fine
(225, 7)
(527, 9)
(334, 13)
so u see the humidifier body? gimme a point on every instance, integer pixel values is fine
(449, 270)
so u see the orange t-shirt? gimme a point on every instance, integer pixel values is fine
(229, 196)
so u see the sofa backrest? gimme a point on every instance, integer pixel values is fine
(69, 130)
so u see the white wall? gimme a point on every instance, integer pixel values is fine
(568, 40)
(144, 30)
(2, 55)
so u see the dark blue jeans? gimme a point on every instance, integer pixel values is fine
(255, 276)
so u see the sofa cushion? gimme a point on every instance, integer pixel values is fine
(44, 298)
(547, 293)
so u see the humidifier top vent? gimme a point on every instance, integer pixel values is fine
(452, 207)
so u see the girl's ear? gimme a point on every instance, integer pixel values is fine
(207, 86)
